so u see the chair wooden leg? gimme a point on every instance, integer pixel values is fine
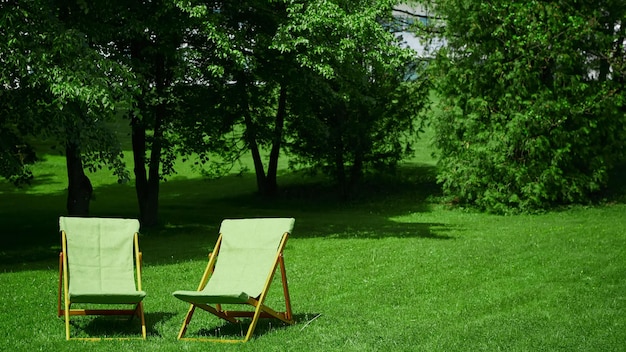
(60, 310)
(183, 329)
(255, 319)
(67, 321)
(283, 276)
(143, 320)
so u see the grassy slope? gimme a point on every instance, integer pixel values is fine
(387, 270)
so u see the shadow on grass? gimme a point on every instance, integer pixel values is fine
(119, 326)
(153, 319)
(29, 229)
(229, 330)
(376, 229)
(41, 180)
(192, 209)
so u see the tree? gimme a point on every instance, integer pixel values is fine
(532, 101)
(154, 56)
(274, 88)
(252, 82)
(55, 85)
(149, 38)
(353, 107)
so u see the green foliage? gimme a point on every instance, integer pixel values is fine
(15, 157)
(54, 84)
(212, 79)
(532, 101)
(244, 76)
(352, 109)
(329, 71)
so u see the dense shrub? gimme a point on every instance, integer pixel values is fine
(532, 101)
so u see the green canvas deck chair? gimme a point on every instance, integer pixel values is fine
(240, 271)
(97, 267)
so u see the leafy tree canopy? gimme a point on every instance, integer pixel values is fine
(353, 108)
(52, 83)
(532, 97)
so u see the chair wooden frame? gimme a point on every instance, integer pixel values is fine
(64, 303)
(260, 311)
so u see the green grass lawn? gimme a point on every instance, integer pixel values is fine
(392, 269)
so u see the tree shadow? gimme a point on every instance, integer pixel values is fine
(192, 209)
(319, 212)
(408, 190)
(153, 319)
(227, 330)
(376, 229)
(41, 180)
(120, 326)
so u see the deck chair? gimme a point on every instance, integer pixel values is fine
(96, 268)
(240, 271)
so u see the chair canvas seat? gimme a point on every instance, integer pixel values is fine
(133, 297)
(207, 298)
(240, 269)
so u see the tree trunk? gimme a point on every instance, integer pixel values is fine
(150, 215)
(337, 128)
(340, 171)
(79, 189)
(261, 180)
(356, 171)
(139, 158)
(147, 183)
(272, 168)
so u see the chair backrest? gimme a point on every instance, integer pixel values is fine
(100, 253)
(247, 254)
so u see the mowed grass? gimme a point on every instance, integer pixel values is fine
(391, 269)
